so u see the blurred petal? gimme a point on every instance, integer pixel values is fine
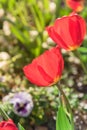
(76, 5)
(8, 125)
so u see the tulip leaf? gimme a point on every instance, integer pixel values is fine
(82, 54)
(83, 50)
(63, 121)
(20, 127)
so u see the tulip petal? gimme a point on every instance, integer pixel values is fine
(44, 70)
(76, 5)
(82, 27)
(52, 33)
(75, 30)
(61, 27)
(48, 64)
(32, 73)
(68, 32)
(56, 37)
(8, 125)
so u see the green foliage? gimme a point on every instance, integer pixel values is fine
(29, 17)
(83, 54)
(20, 127)
(63, 122)
(26, 21)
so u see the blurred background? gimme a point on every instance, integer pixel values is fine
(22, 38)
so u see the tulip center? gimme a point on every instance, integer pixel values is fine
(55, 81)
(80, 7)
(71, 48)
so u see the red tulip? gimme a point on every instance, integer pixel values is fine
(76, 5)
(8, 125)
(46, 69)
(68, 32)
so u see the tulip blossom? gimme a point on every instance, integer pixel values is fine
(46, 69)
(68, 32)
(8, 125)
(76, 5)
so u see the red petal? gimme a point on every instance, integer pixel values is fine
(32, 73)
(51, 33)
(76, 5)
(75, 30)
(8, 125)
(49, 62)
(45, 68)
(61, 27)
(56, 37)
(82, 26)
(78, 29)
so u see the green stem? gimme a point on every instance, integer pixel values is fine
(82, 64)
(5, 116)
(58, 7)
(66, 104)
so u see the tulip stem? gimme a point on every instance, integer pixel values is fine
(3, 113)
(82, 64)
(64, 101)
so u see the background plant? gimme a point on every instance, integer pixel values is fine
(22, 38)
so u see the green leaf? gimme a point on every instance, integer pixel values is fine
(3, 113)
(62, 122)
(83, 54)
(20, 127)
(82, 50)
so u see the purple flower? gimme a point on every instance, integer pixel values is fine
(22, 104)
